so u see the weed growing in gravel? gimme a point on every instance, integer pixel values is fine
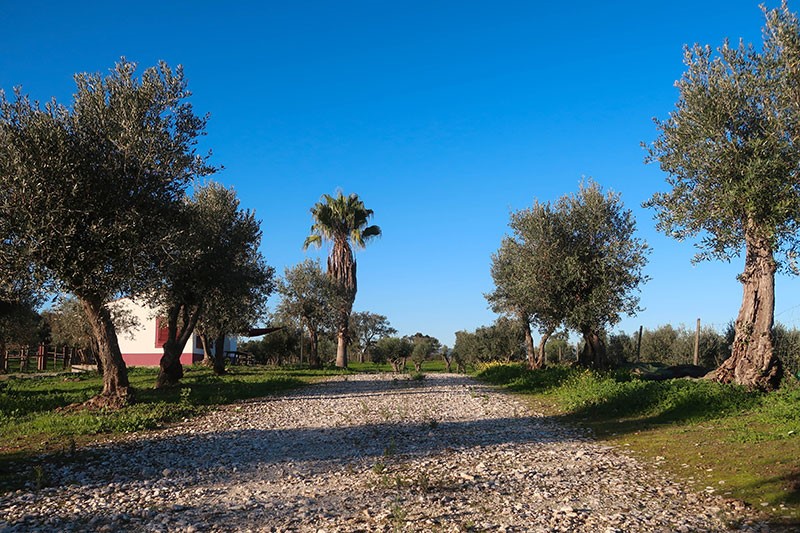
(399, 515)
(390, 449)
(379, 467)
(40, 479)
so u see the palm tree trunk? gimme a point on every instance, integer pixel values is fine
(341, 348)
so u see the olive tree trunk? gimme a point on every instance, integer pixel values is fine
(541, 356)
(116, 388)
(219, 355)
(594, 353)
(530, 353)
(753, 362)
(208, 359)
(313, 357)
(170, 369)
(180, 325)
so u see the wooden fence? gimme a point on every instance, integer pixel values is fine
(42, 358)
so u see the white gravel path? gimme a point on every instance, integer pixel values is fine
(364, 453)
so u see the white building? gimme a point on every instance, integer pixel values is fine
(142, 344)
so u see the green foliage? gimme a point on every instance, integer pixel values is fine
(395, 350)
(527, 286)
(731, 146)
(309, 299)
(19, 322)
(229, 269)
(342, 220)
(89, 193)
(276, 347)
(424, 348)
(502, 341)
(29, 416)
(576, 262)
(366, 328)
(588, 394)
(787, 348)
(78, 181)
(519, 378)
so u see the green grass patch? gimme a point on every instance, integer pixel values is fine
(745, 445)
(30, 422)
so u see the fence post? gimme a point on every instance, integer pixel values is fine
(697, 344)
(639, 345)
(41, 357)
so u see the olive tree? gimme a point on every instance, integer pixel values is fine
(601, 268)
(424, 346)
(731, 150)
(525, 271)
(309, 296)
(367, 328)
(215, 276)
(87, 191)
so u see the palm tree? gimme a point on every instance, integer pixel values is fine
(342, 221)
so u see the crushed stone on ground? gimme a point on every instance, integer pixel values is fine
(370, 452)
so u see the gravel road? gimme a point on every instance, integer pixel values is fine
(364, 453)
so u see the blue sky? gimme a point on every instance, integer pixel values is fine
(442, 116)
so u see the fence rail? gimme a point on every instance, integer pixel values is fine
(42, 358)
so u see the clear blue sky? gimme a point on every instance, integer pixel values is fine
(442, 116)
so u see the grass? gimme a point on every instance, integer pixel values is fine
(31, 421)
(743, 445)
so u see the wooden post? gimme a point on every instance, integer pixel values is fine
(697, 344)
(639, 345)
(41, 357)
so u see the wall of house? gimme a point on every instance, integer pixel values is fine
(140, 346)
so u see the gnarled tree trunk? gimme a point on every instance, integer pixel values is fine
(530, 353)
(170, 368)
(541, 356)
(208, 359)
(116, 388)
(219, 355)
(313, 357)
(593, 354)
(753, 362)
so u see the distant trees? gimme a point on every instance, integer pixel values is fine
(424, 348)
(310, 297)
(343, 221)
(395, 350)
(366, 329)
(730, 149)
(87, 191)
(503, 340)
